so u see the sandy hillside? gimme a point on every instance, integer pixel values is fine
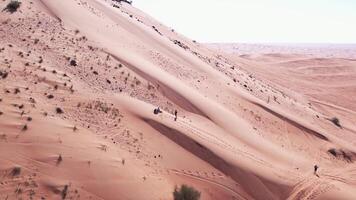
(79, 82)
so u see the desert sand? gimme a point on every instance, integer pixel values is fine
(79, 82)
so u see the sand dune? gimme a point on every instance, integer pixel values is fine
(80, 81)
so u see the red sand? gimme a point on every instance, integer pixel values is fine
(79, 83)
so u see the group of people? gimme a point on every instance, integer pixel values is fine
(157, 111)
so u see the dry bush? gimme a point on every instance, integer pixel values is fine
(186, 193)
(12, 6)
(335, 121)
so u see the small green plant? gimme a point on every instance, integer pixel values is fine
(186, 193)
(12, 6)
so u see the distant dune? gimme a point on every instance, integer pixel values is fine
(81, 82)
(307, 49)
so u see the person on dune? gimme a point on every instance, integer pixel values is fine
(315, 170)
(175, 115)
(156, 111)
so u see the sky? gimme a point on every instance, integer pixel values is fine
(257, 21)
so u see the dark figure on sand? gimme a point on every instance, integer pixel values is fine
(315, 170)
(156, 111)
(175, 115)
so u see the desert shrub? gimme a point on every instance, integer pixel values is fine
(59, 159)
(17, 90)
(341, 154)
(24, 128)
(3, 74)
(16, 171)
(346, 156)
(12, 6)
(126, 1)
(186, 193)
(18, 190)
(335, 121)
(59, 110)
(332, 152)
(73, 63)
(64, 192)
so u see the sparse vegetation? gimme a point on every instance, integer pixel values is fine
(16, 171)
(3, 137)
(12, 6)
(17, 90)
(59, 159)
(332, 152)
(73, 63)
(342, 154)
(59, 110)
(186, 193)
(24, 128)
(335, 121)
(18, 190)
(71, 89)
(3, 74)
(64, 192)
(126, 1)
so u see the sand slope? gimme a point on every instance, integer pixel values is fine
(79, 83)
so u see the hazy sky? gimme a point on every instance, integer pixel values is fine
(291, 21)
